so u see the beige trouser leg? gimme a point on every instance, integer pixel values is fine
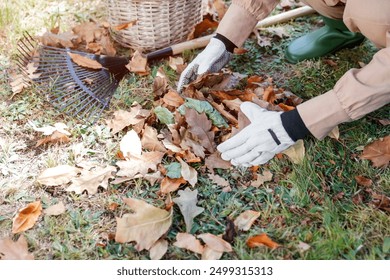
(331, 9)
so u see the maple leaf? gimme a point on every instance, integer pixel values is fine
(139, 165)
(261, 240)
(187, 203)
(189, 242)
(245, 220)
(55, 210)
(26, 217)
(90, 180)
(84, 61)
(158, 250)
(145, 225)
(188, 173)
(378, 152)
(216, 243)
(200, 127)
(58, 175)
(10, 250)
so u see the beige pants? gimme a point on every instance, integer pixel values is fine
(371, 18)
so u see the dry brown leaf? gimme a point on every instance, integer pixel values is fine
(27, 217)
(220, 7)
(58, 175)
(218, 180)
(187, 203)
(55, 210)
(200, 127)
(335, 133)
(210, 254)
(124, 25)
(170, 185)
(150, 140)
(107, 45)
(363, 181)
(176, 63)
(172, 98)
(215, 161)
(148, 161)
(189, 242)
(188, 173)
(144, 226)
(84, 61)
(58, 40)
(384, 122)
(381, 201)
(261, 240)
(158, 250)
(206, 26)
(378, 152)
(56, 137)
(123, 118)
(261, 179)
(216, 243)
(246, 219)
(296, 152)
(91, 180)
(138, 64)
(303, 247)
(10, 250)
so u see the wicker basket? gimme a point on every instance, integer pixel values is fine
(160, 23)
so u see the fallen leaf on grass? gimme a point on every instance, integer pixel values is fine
(210, 254)
(296, 152)
(378, 152)
(246, 219)
(188, 173)
(148, 161)
(10, 250)
(90, 180)
(150, 140)
(138, 64)
(262, 178)
(381, 201)
(58, 175)
(187, 203)
(363, 181)
(27, 217)
(144, 226)
(55, 210)
(261, 240)
(123, 118)
(335, 133)
(170, 185)
(218, 180)
(158, 250)
(189, 242)
(216, 243)
(56, 137)
(172, 98)
(215, 161)
(84, 61)
(303, 247)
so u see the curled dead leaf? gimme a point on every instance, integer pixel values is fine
(27, 217)
(261, 240)
(84, 61)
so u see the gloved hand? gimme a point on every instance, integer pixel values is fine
(258, 142)
(211, 59)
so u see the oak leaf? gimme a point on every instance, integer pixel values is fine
(10, 250)
(261, 240)
(84, 61)
(187, 203)
(26, 217)
(378, 152)
(189, 242)
(145, 225)
(246, 219)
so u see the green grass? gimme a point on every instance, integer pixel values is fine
(309, 202)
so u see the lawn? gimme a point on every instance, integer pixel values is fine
(314, 209)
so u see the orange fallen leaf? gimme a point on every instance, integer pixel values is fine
(363, 181)
(27, 217)
(261, 240)
(170, 185)
(56, 137)
(85, 61)
(378, 152)
(124, 25)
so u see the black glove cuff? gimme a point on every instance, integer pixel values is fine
(294, 125)
(230, 46)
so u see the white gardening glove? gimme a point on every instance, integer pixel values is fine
(258, 142)
(211, 59)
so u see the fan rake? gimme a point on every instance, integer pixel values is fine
(72, 89)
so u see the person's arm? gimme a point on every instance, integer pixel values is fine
(357, 93)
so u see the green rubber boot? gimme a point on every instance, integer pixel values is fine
(330, 38)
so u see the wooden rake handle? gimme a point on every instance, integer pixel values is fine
(203, 41)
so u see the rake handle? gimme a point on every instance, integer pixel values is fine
(203, 41)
